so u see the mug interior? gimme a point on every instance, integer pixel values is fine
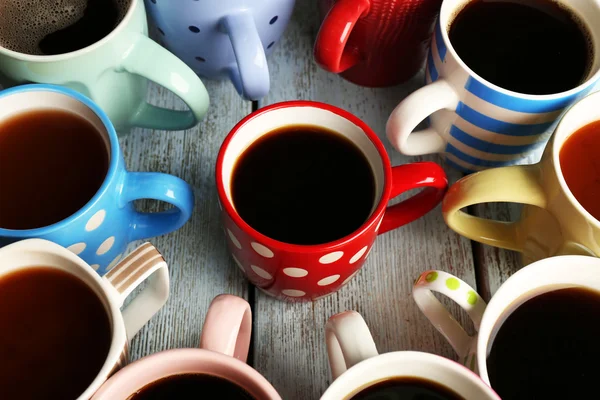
(543, 276)
(409, 364)
(586, 11)
(264, 123)
(168, 363)
(34, 253)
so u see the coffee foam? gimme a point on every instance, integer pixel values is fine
(24, 23)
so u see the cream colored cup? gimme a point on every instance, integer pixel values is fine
(552, 221)
(356, 364)
(143, 264)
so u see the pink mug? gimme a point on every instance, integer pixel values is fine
(223, 352)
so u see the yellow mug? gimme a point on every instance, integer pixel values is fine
(552, 222)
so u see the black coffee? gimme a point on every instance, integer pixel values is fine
(548, 348)
(303, 185)
(407, 388)
(48, 27)
(191, 387)
(527, 46)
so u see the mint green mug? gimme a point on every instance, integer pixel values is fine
(114, 72)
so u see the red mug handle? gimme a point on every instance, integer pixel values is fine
(330, 47)
(427, 175)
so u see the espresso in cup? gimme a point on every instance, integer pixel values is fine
(48, 27)
(55, 336)
(191, 386)
(534, 46)
(54, 161)
(407, 388)
(303, 184)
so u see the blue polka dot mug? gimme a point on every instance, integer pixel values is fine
(224, 39)
(100, 231)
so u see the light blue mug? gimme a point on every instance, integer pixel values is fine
(100, 231)
(223, 38)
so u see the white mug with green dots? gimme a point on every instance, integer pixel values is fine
(541, 277)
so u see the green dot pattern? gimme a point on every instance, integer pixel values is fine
(432, 276)
(452, 283)
(471, 297)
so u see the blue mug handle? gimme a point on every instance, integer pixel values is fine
(162, 187)
(251, 74)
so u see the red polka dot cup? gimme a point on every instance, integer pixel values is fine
(308, 272)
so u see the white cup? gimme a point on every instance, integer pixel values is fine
(533, 280)
(356, 364)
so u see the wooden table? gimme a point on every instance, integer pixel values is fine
(288, 345)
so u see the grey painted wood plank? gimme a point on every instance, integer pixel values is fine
(289, 338)
(200, 266)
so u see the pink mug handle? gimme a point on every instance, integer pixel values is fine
(227, 327)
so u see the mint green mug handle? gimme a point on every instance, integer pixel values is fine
(148, 59)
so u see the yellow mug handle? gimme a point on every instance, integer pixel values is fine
(516, 184)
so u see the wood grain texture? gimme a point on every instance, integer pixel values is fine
(289, 345)
(200, 266)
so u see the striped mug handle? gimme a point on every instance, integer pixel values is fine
(412, 111)
(144, 263)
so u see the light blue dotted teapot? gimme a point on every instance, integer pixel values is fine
(223, 39)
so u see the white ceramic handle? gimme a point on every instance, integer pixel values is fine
(412, 111)
(144, 263)
(458, 291)
(349, 341)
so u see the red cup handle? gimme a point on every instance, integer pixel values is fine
(330, 47)
(413, 176)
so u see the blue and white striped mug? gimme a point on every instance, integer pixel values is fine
(101, 230)
(475, 124)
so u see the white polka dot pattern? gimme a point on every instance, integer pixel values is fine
(358, 255)
(235, 240)
(331, 257)
(348, 279)
(379, 225)
(262, 250)
(95, 267)
(96, 220)
(295, 272)
(329, 280)
(261, 272)
(106, 246)
(293, 292)
(77, 248)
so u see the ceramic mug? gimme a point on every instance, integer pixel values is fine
(226, 39)
(552, 221)
(101, 230)
(375, 42)
(223, 351)
(474, 123)
(114, 73)
(535, 279)
(356, 364)
(299, 272)
(145, 264)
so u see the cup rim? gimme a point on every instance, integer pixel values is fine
(72, 54)
(113, 154)
(273, 243)
(556, 147)
(447, 11)
(171, 357)
(414, 356)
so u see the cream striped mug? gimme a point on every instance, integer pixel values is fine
(143, 264)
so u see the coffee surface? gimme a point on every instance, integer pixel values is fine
(407, 388)
(580, 166)
(548, 348)
(303, 185)
(527, 46)
(55, 335)
(52, 163)
(191, 387)
(49, 27)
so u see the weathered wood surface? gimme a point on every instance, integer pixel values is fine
(200, 265)
(289, 345)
